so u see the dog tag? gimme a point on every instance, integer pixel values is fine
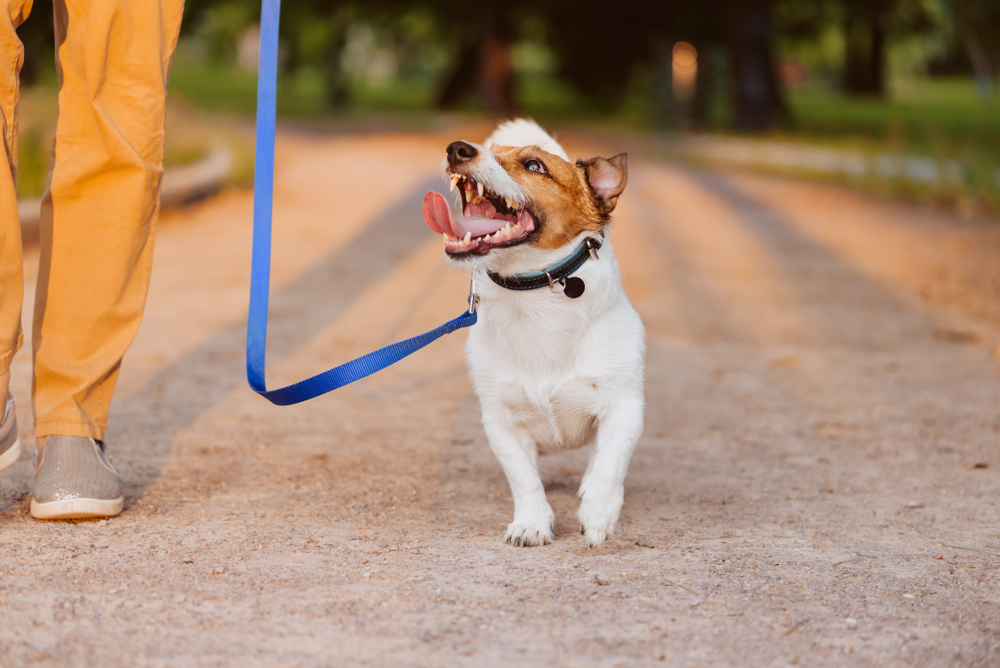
(574, 287)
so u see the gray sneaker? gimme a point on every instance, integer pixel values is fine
(74, 479)
(10, 446)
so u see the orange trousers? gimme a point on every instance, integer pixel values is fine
(100, 205)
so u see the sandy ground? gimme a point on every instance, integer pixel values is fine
(823, 395)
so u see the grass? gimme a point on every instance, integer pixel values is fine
(938, 118)
(37, 122)
(944, 119)
(215, 88)
(33, 164)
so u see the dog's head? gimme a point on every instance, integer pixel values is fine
(521, 191)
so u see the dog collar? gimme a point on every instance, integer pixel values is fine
(556, 277)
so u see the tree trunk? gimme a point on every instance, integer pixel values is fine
(495, 79)
(706, 85)
(38, 36)
(484, 68)
(334, 79)
(758, 99)
(864, 37)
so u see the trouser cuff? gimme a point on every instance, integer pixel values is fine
(96, 431)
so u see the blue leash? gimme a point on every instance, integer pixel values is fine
(260, 273)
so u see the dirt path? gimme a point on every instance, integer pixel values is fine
(822, 375)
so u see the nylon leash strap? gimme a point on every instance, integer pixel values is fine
(260, 273)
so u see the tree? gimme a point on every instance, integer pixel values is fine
(977, 29)
(868, 28)
(483, 67)
(758, 99)
(38, 36)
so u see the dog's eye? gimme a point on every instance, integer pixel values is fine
(535, 166)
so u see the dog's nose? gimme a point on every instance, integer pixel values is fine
(459, 152)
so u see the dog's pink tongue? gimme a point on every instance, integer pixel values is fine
(438, 214)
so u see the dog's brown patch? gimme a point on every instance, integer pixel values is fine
(565, 198)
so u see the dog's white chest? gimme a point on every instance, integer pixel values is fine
(546, 365)
(555, 417)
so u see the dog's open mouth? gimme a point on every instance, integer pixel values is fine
(488, 221)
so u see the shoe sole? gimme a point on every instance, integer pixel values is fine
(9, 457)
(72, 509)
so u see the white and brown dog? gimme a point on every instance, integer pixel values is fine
(557, 355)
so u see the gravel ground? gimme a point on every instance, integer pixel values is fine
(817, 484)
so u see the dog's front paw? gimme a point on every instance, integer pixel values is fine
(528, 532)
(599, 510)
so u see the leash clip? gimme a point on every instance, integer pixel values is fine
(592, 246)
(473, 297)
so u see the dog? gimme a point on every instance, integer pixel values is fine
(558, 353)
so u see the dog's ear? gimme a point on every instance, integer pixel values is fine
(607, 178)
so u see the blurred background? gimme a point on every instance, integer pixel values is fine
(899, 96)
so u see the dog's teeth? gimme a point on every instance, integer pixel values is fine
(468, 238)
(480, 186)
(454, 182)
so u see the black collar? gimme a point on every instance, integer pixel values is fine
(551, 275)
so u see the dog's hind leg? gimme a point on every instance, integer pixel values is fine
(533, 517)
(602, 490)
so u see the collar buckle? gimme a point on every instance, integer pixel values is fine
(592, 246)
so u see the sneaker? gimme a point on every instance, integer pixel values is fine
(10, 446)
(74, 479)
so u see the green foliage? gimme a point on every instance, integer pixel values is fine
(944, 119)
(218, 88)
(220, 28)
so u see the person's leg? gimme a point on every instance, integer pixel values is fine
(96, 236)
(12, 14)
(99, 213)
